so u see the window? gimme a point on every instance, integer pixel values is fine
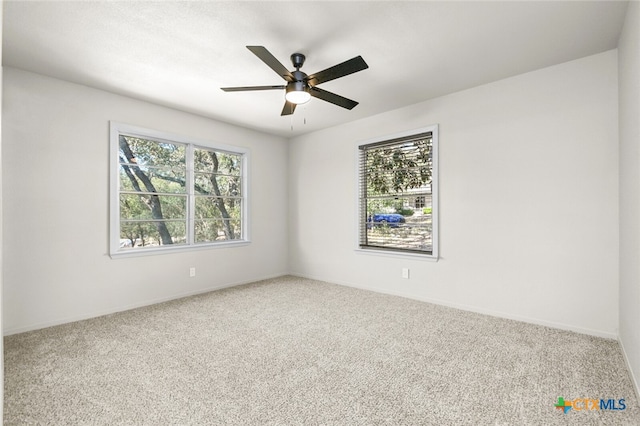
(170, 193)
(398, 194)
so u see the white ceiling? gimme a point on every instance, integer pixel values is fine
(179, 54)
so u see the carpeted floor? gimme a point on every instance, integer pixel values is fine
(292, 351)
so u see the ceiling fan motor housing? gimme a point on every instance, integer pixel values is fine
(299, 76)
(299, 82)
(296, 86)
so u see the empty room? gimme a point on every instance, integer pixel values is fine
(320, 212)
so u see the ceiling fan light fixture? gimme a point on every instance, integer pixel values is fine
(297, 93)
(300, 87)
(298, 97)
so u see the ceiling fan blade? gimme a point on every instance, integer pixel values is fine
(288, 109)
(266, 57)
(246, 88)
(332, 97)
(347, 67)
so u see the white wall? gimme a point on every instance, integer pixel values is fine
(629, 98)
(56, 179)
(529, 204)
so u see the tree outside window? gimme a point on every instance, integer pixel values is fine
(397, 189)
(175, 194)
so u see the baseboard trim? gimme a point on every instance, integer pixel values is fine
(634, 381)
(560, 326)
(142, 304)
(498, 314)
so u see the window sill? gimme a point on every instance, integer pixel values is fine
(397, 254)
(177, 249)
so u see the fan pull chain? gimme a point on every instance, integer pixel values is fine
(304, 117)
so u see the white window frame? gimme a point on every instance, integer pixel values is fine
(434, 255)
(116, 129)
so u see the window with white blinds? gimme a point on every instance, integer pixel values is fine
(398, 194)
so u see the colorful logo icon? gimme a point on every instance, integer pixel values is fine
(563, 405)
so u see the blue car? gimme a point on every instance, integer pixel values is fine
(392, 220)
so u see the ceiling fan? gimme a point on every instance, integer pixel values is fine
(301, 87)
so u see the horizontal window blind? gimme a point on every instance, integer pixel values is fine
(395, 181)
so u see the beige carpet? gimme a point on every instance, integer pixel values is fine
(293, 351)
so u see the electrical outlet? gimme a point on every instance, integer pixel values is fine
(405, 273)
(192, 272)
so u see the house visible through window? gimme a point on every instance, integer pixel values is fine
(398, 194)
(170, 193)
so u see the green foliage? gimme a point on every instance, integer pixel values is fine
(153, 200)
(378, 205)
(426, 210)
(405, 211)
(398, 168)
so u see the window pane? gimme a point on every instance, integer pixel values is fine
(394, 223)
(146, 206)
(207, 230)
(217, 162)
(152, 166)
(212, 207)
(217, 219)
(152, 179)
(146, 153)
(218, 185)
(398, 168)
(152, 233)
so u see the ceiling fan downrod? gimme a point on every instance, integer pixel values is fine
(297, 59)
